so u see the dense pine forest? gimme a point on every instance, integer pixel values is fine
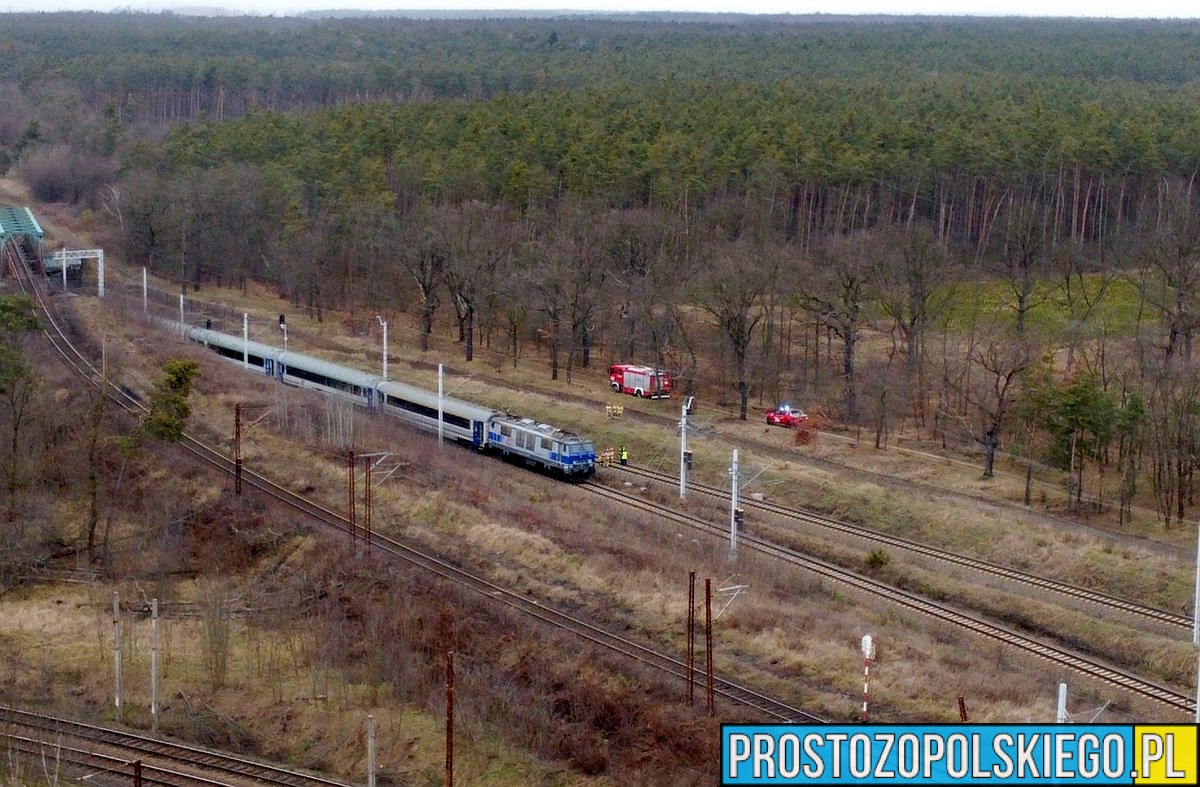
(986, 229)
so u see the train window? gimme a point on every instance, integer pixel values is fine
(506, 431)
(547, 444)
(412, 407)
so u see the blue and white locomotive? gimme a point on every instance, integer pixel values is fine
(518, 439)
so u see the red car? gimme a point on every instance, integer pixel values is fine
(786, 415)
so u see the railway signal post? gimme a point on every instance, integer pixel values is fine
(733, 505)
(685, 456)
(868, 651)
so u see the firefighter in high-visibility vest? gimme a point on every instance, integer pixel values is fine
(624, 455)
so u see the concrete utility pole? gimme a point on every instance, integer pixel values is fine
(370, 750)
(145, 291)
(154, 665)
(245, 340)
(440, 397)
(182, 324)
(116, 621)
(350, 495)
(383, 322)
(1061, 716)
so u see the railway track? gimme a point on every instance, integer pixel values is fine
(1084, 665)
(55, 756)
(162, 761)
(1104, 600)
(167, 303)
(741, 695)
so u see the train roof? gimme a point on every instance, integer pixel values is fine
(308, 363)
(229, 341)
(334, 371)
(429, 399)
(546, 429)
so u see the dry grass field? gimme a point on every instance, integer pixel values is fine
(278, 640)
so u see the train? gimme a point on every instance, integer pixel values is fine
(520, 440)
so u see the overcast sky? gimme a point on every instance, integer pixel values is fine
(1091, 8)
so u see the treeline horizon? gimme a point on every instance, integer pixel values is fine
(160, 68)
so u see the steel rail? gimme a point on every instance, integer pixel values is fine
(152, 747)
(1016, 575)
(739, 694)
(1074, 661)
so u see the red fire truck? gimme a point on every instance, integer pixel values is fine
(644, 381)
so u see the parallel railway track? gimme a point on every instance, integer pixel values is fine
(1084, 665)
(1104, 600)
(743, 696)
(162, 762)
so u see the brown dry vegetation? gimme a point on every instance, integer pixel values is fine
(319, 638)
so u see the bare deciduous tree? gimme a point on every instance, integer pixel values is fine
(1170, 280)
(565, 273)
(1173, 438)
(423, 256)
(835, 289)
(215, 625)
(917, 281)
(734, 278)
(1002, 361)
(1022, 259)
(479, 238)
